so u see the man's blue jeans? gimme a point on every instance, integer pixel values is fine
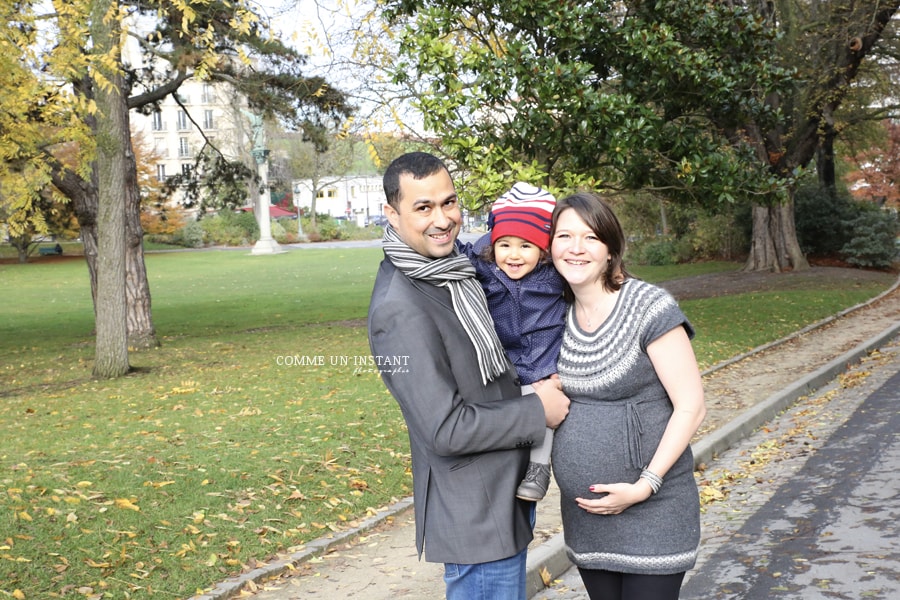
(498, 580)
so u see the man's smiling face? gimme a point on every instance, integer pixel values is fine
(428, 217)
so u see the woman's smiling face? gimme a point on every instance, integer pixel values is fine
(577, 252)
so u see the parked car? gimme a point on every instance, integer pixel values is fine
(377, 221)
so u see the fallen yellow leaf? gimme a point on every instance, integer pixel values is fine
(97, 565)
(159, 484)
(127, 504)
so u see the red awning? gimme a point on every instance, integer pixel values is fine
(275, 212)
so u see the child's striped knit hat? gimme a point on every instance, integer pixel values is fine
(524, 211)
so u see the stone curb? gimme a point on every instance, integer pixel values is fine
(550, 557)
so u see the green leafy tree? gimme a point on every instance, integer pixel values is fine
(825, 44)
(214, 41)
(704, 102)
(591, 95)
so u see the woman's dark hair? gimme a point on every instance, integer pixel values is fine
(601, 219)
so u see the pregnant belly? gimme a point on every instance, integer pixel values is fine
(604, 443)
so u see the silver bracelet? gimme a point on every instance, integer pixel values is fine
(653, 479)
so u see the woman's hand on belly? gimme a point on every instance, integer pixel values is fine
(618, 497)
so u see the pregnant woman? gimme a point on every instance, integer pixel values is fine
(622, 458)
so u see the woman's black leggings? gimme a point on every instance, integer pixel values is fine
(608, 585)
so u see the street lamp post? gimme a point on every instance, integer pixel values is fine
(266, 243)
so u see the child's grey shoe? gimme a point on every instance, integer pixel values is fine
(534, 485)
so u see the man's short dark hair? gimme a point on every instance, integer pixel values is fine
(418, 164)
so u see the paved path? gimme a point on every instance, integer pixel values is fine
(810, 502)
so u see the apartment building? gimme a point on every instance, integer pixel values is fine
(360, 199)
(203, 113)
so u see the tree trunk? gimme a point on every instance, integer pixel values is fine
(139, 318)
(774, 246)
(21, 245)
(84, 198)
(313, 225)
(83, 194)
(111, 347)
(825, 153)
(663, 217)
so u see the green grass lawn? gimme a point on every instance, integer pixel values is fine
(257, 426)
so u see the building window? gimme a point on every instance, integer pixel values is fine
(184, 150)
(160, 148)
(208, 95)
(208, 122)
(160, 172)
(158, 124)
(186, 169)
(329, 193)
(182, 120)
(183, 98)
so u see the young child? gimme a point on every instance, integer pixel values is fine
(525, 298)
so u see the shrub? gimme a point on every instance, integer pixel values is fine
(246, 220)
(660, 251)
(822, 218)
(872, 242)
(350, 230)
(278, 232)
(231, 229)
(717, 237)
(189, 236)
(328, 229)
(691, 231)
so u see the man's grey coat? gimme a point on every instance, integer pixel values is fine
(470, 442)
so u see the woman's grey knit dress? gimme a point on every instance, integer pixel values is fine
(618, 413)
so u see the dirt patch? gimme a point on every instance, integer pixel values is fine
(738, 282)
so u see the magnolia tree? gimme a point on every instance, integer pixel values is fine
(701, 102)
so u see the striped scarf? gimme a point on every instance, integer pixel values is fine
(456, 273)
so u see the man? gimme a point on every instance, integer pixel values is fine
(469, 427)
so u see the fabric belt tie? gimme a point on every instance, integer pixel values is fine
(634, 429)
